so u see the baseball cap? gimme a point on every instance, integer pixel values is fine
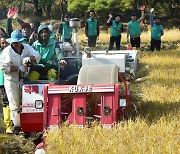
(133, 14)
(26, 25)
(66, 16)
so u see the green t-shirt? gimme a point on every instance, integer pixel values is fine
(114, 31)
(92, 27)
(134, 28)
(156, 32)
(50, 54)
(66, 31)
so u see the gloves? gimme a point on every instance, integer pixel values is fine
(13, 12)
(110, 15)
(152, 10)
(26, 60)
(21, 68)
(87, 38)
(143, 7)
(63, 63)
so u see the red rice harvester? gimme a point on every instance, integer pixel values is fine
(98, 95)
(47, 105)
(101, 94)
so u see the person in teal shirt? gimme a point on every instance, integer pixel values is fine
(115, 32)
(156, 32)
(65, 30)
(133, 29)
(92, 29)
(51, 56)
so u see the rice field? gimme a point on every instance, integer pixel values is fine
(169, 35)
(155, 128)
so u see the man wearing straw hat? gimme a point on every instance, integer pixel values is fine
(14, 59)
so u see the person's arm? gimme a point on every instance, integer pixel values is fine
(122, 28)
(20, 22)
(60, 29)
(98, 31)
(6, 64)
(151, 17)
(162, 31)
(86, 29)
(142, 16)
(58, 52)
(9, 28)
(109, 21)
(33, 54)
(14, 68)
(128, 31)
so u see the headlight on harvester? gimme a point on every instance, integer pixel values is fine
(122, 102)
(38, 104)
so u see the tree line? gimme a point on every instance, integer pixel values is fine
(80, 8)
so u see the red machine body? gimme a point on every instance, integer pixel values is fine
(73, 103)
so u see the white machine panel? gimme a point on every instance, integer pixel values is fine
(30, 94)
(99, 59)
(135, 54)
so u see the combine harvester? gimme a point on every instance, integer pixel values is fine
(81, 94)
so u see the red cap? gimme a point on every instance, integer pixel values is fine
(26, 25)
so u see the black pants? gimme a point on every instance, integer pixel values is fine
(117, 40)
(92, 41)
(155, 44)
(135, 42)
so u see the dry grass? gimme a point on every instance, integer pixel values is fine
(169, 35)
(155, 129)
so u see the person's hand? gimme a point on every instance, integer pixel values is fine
(26, 61)
(13, 12)
(143, 7)
(63, 63)
(15, 15)
(87, 38)
(21, 68)
(33, 36)
(110, 15)
(152, 10)
(97, 38)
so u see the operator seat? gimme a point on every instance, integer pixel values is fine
(98, 74)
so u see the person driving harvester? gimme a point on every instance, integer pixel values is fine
(51, 56)
(14, 58)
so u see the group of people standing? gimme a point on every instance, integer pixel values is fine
(36, 44)
(92, 31)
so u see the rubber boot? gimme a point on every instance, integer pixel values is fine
(7, 120)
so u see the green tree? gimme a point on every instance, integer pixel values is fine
(79, 7)
(46, 5)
